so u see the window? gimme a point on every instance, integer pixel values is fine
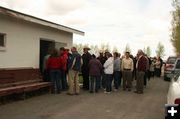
(2, 41)
(178, 64)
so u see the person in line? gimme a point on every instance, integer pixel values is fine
(127, 69)
(146, 75)
(54, 65)
(85, 68)
(74, 67)
(95, 68)
(117, 73)
(64, 57)
(108, 70)
(158, 67)
(152, 66)
(140, 71)
(45, 71)
(102, 59)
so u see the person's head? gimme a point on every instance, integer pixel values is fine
(127, 54)
(50, 50)
(101, 54)
(158, 58)
(73, 49)
(140, 52)
(108, 55)
(86, 49)
(54, 53)
(116, 55)
(61, 50)
(93, 56)
(119, 54)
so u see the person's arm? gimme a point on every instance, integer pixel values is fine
(107, 63)
(81, 62)
(74, 61)
(122, 65)
(132, 65)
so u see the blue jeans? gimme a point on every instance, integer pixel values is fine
(103, 80)
(94, 83)
(55, 75)
(117, 79)
(64, 80)
(109, 78)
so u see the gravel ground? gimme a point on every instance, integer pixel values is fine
(117, 105)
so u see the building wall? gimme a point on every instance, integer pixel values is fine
(23, 42)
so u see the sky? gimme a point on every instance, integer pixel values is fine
(138, 23)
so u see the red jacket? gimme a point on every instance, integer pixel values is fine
(142, 63)
(54, 63)
(64, 58)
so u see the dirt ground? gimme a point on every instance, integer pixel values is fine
(117, 105)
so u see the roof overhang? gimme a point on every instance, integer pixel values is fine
(39, 21)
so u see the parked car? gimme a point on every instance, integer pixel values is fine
(171, 67)
(173, 96)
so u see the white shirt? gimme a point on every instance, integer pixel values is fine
(109, 66)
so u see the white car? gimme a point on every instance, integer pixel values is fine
(173, 96)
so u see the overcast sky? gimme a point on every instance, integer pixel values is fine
(139, 23)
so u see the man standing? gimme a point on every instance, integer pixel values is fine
(140, 68)
(85, 68)
(108, 70)
(127, 69)
(117, 73)
(74, 66)
(102, 59)
(64, 57)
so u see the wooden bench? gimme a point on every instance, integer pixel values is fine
(21, 80)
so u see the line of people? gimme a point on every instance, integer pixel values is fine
(62, 69)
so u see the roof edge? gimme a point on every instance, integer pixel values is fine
(37, 20)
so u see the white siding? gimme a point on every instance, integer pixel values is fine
(22, 42)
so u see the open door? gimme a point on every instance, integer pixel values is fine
(45, 45)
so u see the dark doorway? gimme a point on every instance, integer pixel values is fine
(45, 45)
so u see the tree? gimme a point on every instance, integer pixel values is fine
(115, 49)
(105, 48)
(127, 48)
(160, 50)
(148, 51)
(175, 37)
(79, 48)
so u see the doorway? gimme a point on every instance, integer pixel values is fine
(45, 45)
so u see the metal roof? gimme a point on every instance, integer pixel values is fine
(37, 20)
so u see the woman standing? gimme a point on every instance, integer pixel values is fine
(158, 67)
(54, 65)
(108, 70)
(95, 68)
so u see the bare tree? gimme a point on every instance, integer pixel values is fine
(160, 50)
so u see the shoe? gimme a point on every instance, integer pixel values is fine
(96, 91)
(115, 90)
(140, 92)
(90, 91)
(129, 89)
(76, 93)
(70, 94)
(136, 91)
(124, 89)
(107, 92)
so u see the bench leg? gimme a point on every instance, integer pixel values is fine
(24, 96)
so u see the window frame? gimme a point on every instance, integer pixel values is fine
(177, 64)
(3, 48)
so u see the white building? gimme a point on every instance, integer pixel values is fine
(24, 39)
